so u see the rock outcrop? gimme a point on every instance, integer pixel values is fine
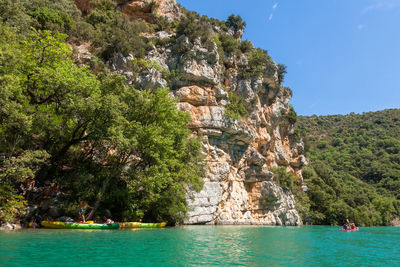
(239, 186)
(10, 227)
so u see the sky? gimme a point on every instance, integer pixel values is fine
(342, 56)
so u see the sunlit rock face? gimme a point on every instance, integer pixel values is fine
(239, 186)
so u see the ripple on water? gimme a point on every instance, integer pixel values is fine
(203, 245)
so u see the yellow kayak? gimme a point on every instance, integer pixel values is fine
(153, 225)
(129, 225)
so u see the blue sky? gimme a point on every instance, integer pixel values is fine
(342, 55)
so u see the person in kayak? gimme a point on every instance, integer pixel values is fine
(81, 210)
(346, 225)
(109, 221)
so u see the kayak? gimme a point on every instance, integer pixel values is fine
(350, 230)
(76, 225)
(73, 225)
(129, 225)
(153, 225)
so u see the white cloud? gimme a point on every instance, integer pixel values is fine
(381, 4)
(273, 9)
(270, 16)
(361, 26)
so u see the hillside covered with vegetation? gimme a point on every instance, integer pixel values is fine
(71, 132)
(354, 169)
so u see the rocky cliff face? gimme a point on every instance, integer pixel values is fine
(239, 186)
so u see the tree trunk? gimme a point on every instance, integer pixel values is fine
(99, 199)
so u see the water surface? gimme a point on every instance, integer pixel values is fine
(203, 245)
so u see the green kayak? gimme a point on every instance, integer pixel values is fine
(66, 225)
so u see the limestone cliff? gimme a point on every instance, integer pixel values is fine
(239, 186)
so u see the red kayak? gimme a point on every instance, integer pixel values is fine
(350, 230)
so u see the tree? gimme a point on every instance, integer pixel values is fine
(45, 101)
(125, 150)
(281, 73)
(236, 23)
(292, 115)
(146, 150)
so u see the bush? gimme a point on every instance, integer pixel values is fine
(52, 19)
(283, 178)
(281, 73)
(259, 62)
(292, 115)
(236, 23)
(115, 33)
(228, 43)
(11, 203)
(162, 24)
(246, 46)
(44, 14)
(235, 109)
(193, 28)
(216, 22)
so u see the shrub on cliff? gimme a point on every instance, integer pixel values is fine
(49, 18)
(193, 28)
(259, 64)
(281, 73)
(292, 115)
(51, 15)
(246, 46)
(115, 33)
(236, 23)
(228, 43)
(283, 178)
(235, 109)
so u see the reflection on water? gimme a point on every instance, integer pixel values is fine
(203, 245)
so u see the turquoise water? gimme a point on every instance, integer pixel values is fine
(203, 245)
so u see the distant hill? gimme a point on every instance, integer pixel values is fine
(354, 169)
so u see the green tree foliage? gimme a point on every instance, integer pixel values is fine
(194, 27)
(246, 46)
(283, 178)
(49, 18)
(113, 32)
(109, 31)
(43, 97)
(228, 43)
(236, 23)
(281, 73)
(292, 115)
(259, 63)
(44, 14)
(105, 142)
(235, 109)
(354, 171)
